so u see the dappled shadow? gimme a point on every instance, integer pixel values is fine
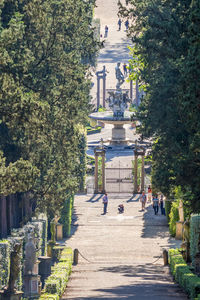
(140, 290)
(113, 53)
(146, 272)
(154, 225)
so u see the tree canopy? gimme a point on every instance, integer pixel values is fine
(46, 50)
(166, 61)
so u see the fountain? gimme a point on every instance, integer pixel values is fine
(117, 116)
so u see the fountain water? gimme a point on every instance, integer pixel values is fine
(118, 116)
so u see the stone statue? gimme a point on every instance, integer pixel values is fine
(30, 256)
(181, 212)
(186, 240)
(15, 259)
(119, 76)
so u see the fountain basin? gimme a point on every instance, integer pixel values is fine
(118, 131)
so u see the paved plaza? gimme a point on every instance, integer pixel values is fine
(121, 252)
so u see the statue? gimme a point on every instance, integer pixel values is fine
(15, 259)
(186, 240)
(30, 256)
(119, 76)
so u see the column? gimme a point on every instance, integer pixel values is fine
(98, 92)
(135, 173)
(96, 173)
(131, 90)
(104, 90)
(103, 172)
(142, 174)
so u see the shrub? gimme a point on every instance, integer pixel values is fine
(49, 297)
(168, 205)
(56, 283)
(183, 274)
(194, 235)
(66, 215)
(174, 217)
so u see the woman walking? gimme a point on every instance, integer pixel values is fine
(155, 204)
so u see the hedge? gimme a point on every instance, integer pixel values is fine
(94, 130)
(56, 283)
(183, 274)
(174, 217)
(194, 235)
(168, 205)
(66, 215)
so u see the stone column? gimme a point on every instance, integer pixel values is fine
(179, 224)
(98, 92)
(104, 86)
(142, 174)
(103, 172)
(96, 173)
(135, 173)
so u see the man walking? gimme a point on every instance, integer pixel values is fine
(119, 24)
(105, 203)
(143, 200)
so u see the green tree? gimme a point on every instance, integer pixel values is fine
(166, 61)
(46, 48)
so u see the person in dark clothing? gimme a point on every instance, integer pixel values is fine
(105, 203)
(106, 31)
(162, 208)
(127, 24)
(155, 204)
(119, 24)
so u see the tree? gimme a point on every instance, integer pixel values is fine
(166, 45)
(45, 53)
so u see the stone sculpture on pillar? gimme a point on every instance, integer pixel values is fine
(31, 277)
(186, 240)
(179, 224)
(10, 293)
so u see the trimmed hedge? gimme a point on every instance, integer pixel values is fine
(94, 130)
(174, 217)
(56, 283)
(66, 215)
(183, 274)
(194, 235)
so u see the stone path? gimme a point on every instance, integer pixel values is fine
(122, 250)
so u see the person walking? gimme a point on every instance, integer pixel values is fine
(143, 200)
(106, 31)
(125, 69)
(155, 204)
(119, 24)
(162, 205)
(149, 193)
(105, 203)
(126, 24)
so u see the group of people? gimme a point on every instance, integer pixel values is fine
(126, 23)
(157, 201)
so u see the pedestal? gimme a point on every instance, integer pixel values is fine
(179, 230)
(118, 134)
(31, 286)
(59, 232)
(44, 267)
(4, 295)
